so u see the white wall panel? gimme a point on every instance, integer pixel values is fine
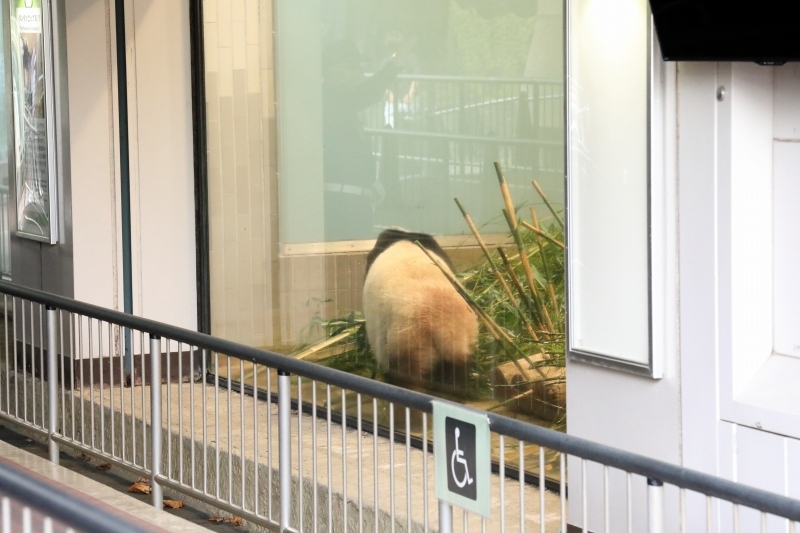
(786, 250)
(93, 163)
(760, 459)
(697, 85)
(162, 173)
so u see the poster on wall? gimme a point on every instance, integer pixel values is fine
(33, 114)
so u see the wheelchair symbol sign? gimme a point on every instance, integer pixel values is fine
(461, 451)
(463, 470)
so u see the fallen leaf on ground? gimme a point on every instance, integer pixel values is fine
(85, 457)
(141, 488)
(173, 504)
(236, 520)
(104, 466)
(215, 519)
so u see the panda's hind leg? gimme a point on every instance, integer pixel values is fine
(411, 354)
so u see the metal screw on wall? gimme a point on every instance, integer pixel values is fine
(720, 93)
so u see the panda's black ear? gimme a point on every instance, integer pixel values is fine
(390, 236)
(387, 238)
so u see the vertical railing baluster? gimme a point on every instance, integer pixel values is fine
(256, 461)
(329, 443)
(629, 498)
(62, 379)
(52, 384)
(168, 371)
(391, 466)
(408, 465)
(502, 509)
(111, 385)
(360, 467)
(216, 423)
(584, 497)
(344, 458)
(424, 471)
(155, 420)
(606, 502)
(315, 513)
(42, 371)
(542, 519)
(300, 449)
(102, 403)
(562, 484)
(655, 506)
(445, 517)
(285, 447)
(375, 459)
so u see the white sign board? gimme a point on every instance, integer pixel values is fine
(609, 184)
(461, 456)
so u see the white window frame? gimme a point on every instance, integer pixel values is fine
(661, 202)
(758, 386)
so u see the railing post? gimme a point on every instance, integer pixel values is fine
(285, 447)
(655, 506)
(155, 420)
(445, 517)
(52, 384)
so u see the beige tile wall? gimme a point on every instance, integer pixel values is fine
(241, 173)
(258, 297)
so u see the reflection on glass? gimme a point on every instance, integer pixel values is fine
(5, 256)
(30, 119)
(404, 105)
(349, 165)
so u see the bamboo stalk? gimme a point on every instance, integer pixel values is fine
(546, 268)
(496, 270)
(506, 195)
(476, 234)
(510, 400)
(494, 329)
(526, 267)
(547, 202)
(519, 397)
(543, 234)
(520, 289)
(324, 344)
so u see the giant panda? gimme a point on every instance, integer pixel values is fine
(416, 321)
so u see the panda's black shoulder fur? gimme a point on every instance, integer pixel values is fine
(391, 236)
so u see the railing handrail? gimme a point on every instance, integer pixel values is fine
(707, 484)
(60, 505)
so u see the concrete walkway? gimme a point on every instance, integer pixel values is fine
(94, 494)
(241, 440)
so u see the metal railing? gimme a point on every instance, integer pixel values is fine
(294, 446)
(28, 504)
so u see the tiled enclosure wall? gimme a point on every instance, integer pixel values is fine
(241, 169)
(258, 296)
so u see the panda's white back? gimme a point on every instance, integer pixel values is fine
(415, 318)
